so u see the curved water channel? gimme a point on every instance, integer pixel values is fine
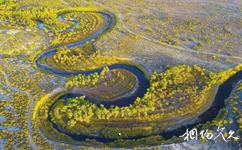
(222, 94)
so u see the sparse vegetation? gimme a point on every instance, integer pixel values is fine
(143, 34)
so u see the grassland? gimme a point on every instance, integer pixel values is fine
(154, 35)
(108, 87)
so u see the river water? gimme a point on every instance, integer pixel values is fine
(222, 94)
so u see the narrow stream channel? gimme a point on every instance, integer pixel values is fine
(222, 94)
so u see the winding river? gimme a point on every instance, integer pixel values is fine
(222, 94)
